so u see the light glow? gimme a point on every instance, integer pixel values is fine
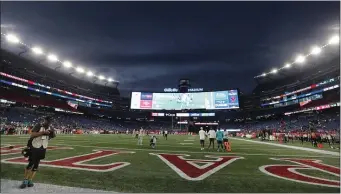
(67, 64)
(80, 70)
(12, 38)
(316, 50)
(334, 40)
(300, 59)
(37, 50)
(52, 58)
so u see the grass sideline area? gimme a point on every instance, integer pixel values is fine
(149, 173)
(305, 144)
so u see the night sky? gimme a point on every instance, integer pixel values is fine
(148, 46)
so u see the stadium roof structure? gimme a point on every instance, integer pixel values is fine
(64, 66)
(300, 59)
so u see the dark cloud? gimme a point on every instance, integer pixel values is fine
(150, 45)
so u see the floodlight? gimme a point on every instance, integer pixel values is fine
(334, 40)
(12, 38)
(287, 65)
(89, 73)
(300, 59)
(80, 70)
(52, 58)
(67, 64)
(101, 77)
(316, 50)
(274, 71)
(263, 74)
(110, 79)
(37, 50)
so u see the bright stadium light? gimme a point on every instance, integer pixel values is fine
(12, 38)
(52, 58)
(101, 77)
(334, 40)
(67, 64)
(89, 73)
(80, 70)
(274, 71)
(300, 59)
(37, 50)
(316, 50)
(110, 79)
(287, 65)
(263, 74)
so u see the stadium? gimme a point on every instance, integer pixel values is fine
(283, 137)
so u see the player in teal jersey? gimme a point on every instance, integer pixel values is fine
(220, 137)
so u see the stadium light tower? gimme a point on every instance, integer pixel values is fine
(67, 64)
(316, 50)
(52, 58)
(334, 40)
(300, 59)
(12, 38)
(37, 50)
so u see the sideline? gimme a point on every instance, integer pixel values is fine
(292, 147)
(12, 186)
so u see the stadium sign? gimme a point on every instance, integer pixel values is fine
(189, 90)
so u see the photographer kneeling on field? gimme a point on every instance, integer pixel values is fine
(36, 149)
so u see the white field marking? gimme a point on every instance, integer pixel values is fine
(189, 140)
(292, 147)
(81, 163)
(12, 186)
(183, 145)
(219, 153)
(173, 151)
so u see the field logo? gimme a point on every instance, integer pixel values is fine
(77, 162)
(289, 172)
(195, 169)
(16, 149)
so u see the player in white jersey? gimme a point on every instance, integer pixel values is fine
(202, 136)
(140, 137)
(212, 136)
(166, 134)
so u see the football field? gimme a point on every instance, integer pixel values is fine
(117, 163)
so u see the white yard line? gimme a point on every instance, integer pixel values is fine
(292, 147)
(12, 186)
(185, 143)
(189, 140)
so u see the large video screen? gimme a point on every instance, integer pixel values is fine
(178, 101)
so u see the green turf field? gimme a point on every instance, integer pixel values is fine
(148, 173)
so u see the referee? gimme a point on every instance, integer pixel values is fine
(36, 149)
